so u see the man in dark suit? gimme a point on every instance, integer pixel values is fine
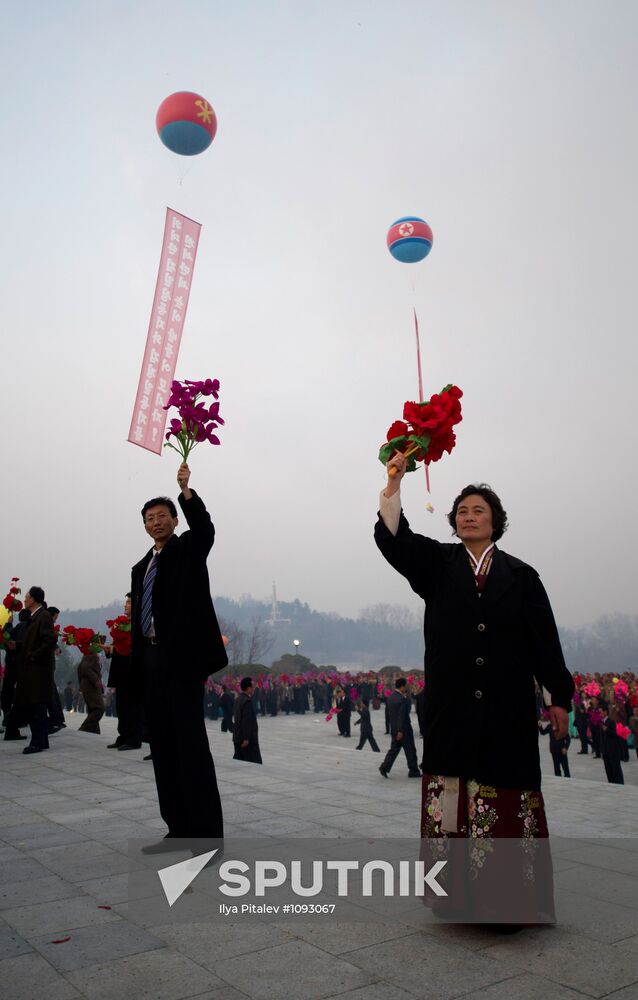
(245, 726)
(35, 670)
(176, 644)
(400, 730)
(365, 733)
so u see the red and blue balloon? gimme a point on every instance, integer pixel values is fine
(186, 123)
(409, 239)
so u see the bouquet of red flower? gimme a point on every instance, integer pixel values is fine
(333, 711)
(11, 601)
(622, 731)
(426, 429)
(85, 639)
(197, 422)
(120, 629)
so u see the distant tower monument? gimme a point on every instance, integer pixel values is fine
(274, 611)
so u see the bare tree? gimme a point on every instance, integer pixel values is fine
(392, 615)
(235, 650)
(259, 640)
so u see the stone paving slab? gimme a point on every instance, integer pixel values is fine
(11, 943)
(432, 968)
(57, 916)
(155, 975)
(570, 960)
(88, 945)
(64, 842)
(30, 977)
(209, 944)
(271, 973)
(36, 890)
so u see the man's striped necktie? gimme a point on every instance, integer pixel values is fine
(147, 595)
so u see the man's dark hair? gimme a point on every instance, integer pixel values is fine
(499, 514)
(37, 594)
(365, 701)
(128, 595)
(159, 502)
(400, 682)
(53, 610)
(245, 683)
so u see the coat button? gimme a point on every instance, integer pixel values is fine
(481, 627)
(479, 661)
(478, 694)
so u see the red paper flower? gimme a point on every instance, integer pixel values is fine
(120, 629)
(425, 432)
(86, 640)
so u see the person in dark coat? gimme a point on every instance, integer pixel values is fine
(481, 618)
(489, 633)
(401, 730)
(558, 749)
(35, 670)
(612, 748)
(129, 708)
(90, 680)
(226, 703)
(365, 733)
(344, 716)
(67, 694)
(176, 645)
(419, 703)
(245, 726)
(580, 723)
(16, 634)
(54, 709)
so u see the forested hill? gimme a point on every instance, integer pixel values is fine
(382, 635)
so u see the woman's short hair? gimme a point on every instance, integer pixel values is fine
(499, 514)
(159, 502)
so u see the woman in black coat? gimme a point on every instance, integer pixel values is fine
(489, 632)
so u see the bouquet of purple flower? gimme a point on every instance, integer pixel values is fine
(197, 421)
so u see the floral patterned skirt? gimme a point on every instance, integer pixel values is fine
(495, 841)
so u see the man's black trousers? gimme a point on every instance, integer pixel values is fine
(187, 790)
(407, 745)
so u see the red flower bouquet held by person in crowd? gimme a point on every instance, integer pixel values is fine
(197, 422)
(85, 639)
(425, 431)
(120, 629)
(11, 602)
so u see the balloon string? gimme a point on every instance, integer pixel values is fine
(418, 360)
(182, 176)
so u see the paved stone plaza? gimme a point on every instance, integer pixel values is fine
(66, 818)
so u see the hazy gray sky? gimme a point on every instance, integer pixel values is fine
(509, 126)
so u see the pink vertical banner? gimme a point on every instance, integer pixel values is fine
(177, 261)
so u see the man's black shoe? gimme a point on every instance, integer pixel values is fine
(14, 737)
(149, 756)
(54, 729)
(114, 746)
(414, 774)
(129, 746)
(167, 844)
(383, 771)
(34, 749)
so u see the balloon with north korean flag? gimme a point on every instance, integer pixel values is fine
(186, 123)
(409, 239)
